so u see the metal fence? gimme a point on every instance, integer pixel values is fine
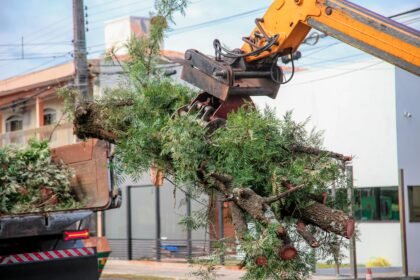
(145, 237)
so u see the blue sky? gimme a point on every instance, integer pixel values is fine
(46, 26)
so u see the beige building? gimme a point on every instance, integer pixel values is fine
(30, 107)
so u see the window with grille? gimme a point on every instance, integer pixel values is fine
(50, 116)
(14, 123)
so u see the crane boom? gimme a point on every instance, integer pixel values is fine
(232, 76)
(343, 20)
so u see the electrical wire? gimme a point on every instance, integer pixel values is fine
(214, 21)
(182, 190)
(337, 75)
(37, 44)
(33, 57)
(43, 64)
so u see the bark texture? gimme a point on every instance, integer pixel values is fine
(328, 219)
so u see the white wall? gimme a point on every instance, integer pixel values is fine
(117, 33)
(379, 240)
(408, 135)
(356, 110)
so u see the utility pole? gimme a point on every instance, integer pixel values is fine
(81, 78)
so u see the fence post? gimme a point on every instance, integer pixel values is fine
(189, 233)
(221, 228)
(129, 231)
(158, 228)
(401, 202)
(350, 197)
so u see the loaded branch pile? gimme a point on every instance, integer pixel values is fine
(270, 170)
(31, 182)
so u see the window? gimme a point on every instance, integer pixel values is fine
(376, 204)
(414, 203)
(14, 123)
(49, 116)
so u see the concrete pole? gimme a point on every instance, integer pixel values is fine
(81, 78)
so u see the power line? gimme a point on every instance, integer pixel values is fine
(405, 13)
(119, 8)
(37, 44)
(17, 76)
(33, 57)
(203, 24)
(215, 21)
(337, 75)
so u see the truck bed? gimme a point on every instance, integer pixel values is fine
(91, 186)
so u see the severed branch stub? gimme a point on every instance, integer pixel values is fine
(309, 238)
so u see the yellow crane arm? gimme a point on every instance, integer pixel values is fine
(289, 21)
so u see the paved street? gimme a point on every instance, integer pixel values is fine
(178, 271)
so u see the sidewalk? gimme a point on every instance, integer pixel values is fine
(182, 271)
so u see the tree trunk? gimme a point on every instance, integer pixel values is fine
(328, 219)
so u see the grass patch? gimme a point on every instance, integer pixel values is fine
(326, 265)
(134, 277)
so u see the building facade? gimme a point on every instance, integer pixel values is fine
(30, 107)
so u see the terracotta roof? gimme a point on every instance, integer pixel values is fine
(45, 77)
(174, 56)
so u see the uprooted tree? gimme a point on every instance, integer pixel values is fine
(271, 171)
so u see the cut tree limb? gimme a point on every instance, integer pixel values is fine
(87, 123)
(316, 151)
(326, 218)
(309, 238)
(287, 252)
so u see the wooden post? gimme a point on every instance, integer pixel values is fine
(401, 200)
(221, 227)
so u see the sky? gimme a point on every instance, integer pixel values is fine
(46, 29)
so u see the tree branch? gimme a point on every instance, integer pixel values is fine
(316, 151)
(275, 198)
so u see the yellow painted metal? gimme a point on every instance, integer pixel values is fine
(347, 22)
(286, 18)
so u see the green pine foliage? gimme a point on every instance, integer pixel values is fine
(31, 182)
(254, 147)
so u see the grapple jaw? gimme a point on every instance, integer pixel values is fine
(231, 77)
